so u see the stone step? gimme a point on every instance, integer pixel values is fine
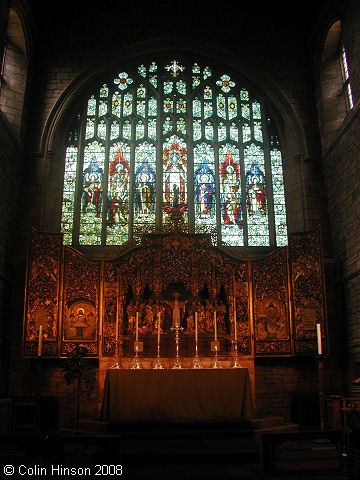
(187, 451)
(267, 422)
(162, 428)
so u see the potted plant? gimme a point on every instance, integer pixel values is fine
(82, 371)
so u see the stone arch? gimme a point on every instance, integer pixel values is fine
(294, 143)
(15, 67)
(331, 99)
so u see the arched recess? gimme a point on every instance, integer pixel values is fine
(332, 104)
(15, 66)
(293, 142)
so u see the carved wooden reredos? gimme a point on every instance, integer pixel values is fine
(279, 299)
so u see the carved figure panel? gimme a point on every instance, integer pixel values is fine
(307, 287)
(241, 296)
(80, 302)
(271, 311)
(111, 295)
(42, 292)
(80, 322)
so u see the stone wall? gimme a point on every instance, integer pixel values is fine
(341, 160)
(272, 54)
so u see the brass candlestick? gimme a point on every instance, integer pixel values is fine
(116, 365)
(215, 346)
(138, 347)
(236, 363)
(158, 362)
(177, 328)
(196, 362)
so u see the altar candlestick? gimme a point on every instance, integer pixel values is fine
(319, 340)
(117, 327)
(40, 341)
(137, 326)
(159, 326)
(196, 327)
(235, 322)
(215, 329)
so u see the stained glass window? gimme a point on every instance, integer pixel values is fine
(346, 77)
(170, 138)
(174, 176)
(145, 188)
(204, 189)
(230, 196)
(118, 194)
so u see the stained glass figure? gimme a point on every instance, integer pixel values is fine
(118, 194)
(255, 190)
(69, 193)
(257, 219)
(145, 188)
(174, 176)
(92, 194)
(230, 197)
(145, 184)
(204, 189)
(279, 197)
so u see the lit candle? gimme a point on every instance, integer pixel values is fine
(235, 322)
(137, 326)
(159, 327)
(40, 341)
(196, 327)
(117, 327)
(319, 340)
(215, 330)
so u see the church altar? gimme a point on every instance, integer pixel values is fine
(176, 393)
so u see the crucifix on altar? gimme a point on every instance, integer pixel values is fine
(177, 306)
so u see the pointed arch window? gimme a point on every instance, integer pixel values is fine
(160, 136)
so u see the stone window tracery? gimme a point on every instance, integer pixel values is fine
(169, 136)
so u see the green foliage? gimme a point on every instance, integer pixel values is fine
(79, 369)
